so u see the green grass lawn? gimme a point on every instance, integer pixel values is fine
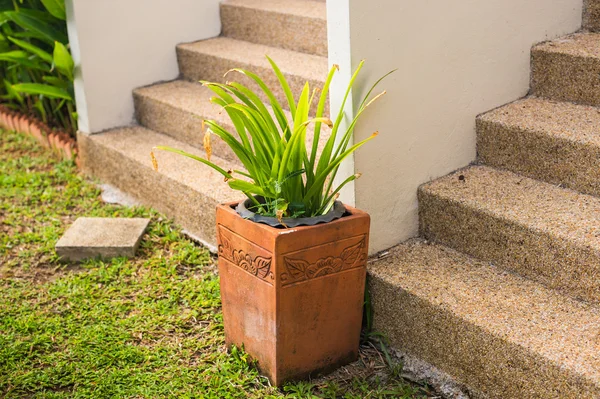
(150, 327)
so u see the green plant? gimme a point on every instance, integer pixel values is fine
(369, 336)
(292, 179)
(35, 63)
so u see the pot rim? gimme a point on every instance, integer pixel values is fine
(337, 211)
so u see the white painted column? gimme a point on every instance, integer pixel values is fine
(119, 45)
(338, 27)
(456, 59)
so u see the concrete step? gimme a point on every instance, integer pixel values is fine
(293, 25)
(210, 59)
(591, 15)
(182, 188)
(557, 142)
(500, 334)
(568, 69)
(536, 229)
(178, 108)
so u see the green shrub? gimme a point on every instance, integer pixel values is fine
(35, 63)
(291, 179)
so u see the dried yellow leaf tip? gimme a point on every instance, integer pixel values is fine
(336, 66)
(232, 70)
(154, 161)
(357, 175)
(207, 146)
(279, 215)
(383, 93)
(329, 123)
(375, 134)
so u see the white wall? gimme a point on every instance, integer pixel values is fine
(119, 45)
(456, 59)
(338, 32)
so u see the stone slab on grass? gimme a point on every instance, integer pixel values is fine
(101, 237)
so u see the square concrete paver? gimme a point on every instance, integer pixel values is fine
(101, 237)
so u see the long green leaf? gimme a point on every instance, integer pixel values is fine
(24, 59)
(284, 85)
(63, 60)
(32, 49)
(247, 187)
(322, 177)
(56, 81)
(42, 90)
(272, 99)
(56, 8)
(195, 158)
(12, 93)
(36, 26)
(327, 151)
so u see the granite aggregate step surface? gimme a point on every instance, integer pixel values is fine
(299, 25)
(568, 69)
(541, 231)
(556, 142)
(211, 59)
(182, 188)
(503, 335)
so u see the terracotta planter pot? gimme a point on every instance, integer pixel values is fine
(293, 297)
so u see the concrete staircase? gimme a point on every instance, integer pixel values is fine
(502, 290)
(293, 33)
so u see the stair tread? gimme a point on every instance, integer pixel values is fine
(293, 25)
(578, 45)
(188, 96)
(515, 309)
(539, 206)
(563, 120)
(308, 9)
(136, 143)
(309, 67)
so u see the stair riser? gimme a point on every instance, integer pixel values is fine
(565, 77)
(497, 368)
(562, 162)
(291, 32)
(555, 262)
(197, 66)
(177, 123)
(591, 15)
(189, 208)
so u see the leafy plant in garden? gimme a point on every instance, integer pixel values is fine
(35, 63)
(284, 177)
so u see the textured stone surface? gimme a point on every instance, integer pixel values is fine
(178, 108)
(183, 188)
(211, 59)
(299, 26)
(591, 15)
(568, 69)
(101, 237)
(539, 230)
(556, 142)
(510, 337)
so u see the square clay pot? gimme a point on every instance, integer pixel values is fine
(293, 297)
